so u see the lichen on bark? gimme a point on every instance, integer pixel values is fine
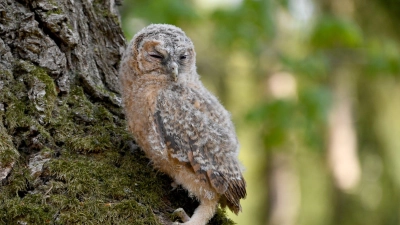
(65, 154)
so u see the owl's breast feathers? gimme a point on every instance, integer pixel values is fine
(197, 129)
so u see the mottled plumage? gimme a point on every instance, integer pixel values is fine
(179, 124)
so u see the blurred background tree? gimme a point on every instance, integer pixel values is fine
(314, 91)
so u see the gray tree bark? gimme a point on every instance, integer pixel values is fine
(65, 155)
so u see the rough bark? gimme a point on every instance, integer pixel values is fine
(65, 155)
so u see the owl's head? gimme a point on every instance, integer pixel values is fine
(162, 50)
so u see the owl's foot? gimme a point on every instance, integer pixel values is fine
(174, 185)
(201, 215)
(181, 214)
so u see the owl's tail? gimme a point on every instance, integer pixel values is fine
(236, 190)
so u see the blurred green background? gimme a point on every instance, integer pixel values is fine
(314, 92)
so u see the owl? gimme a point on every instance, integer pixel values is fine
(179, 124)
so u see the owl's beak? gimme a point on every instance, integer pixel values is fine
(174, 71)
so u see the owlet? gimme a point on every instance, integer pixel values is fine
(179, 124)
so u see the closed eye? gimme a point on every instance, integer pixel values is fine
(156, 56)
(183, 57)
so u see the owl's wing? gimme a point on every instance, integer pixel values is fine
(198, 130)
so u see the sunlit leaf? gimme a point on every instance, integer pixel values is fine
(331, 32)
(247, 26)
(383, 58)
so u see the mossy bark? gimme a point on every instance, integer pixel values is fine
(65, 155)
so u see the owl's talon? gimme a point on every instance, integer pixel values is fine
(174, 185)
(181, 214)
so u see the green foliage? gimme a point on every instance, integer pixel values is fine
(331, 33)
(169, 11)
(153, 11)
(247, 26)
(383, 58)
(281, 119)
(277, 118)
(313, 67)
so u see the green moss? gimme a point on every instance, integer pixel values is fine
(96, 189)
(6, 73)
(48, 100)
(100, 8)
(54, 11)
(26, 210)
(109, 213)
(57, 9)
(92, 176)
(15, 114)
(8, 152)
(86, 127)
(221, 219)
(111, 188)
(21, 111)
(19, 182)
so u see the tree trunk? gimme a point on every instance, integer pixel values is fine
(65, 155)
